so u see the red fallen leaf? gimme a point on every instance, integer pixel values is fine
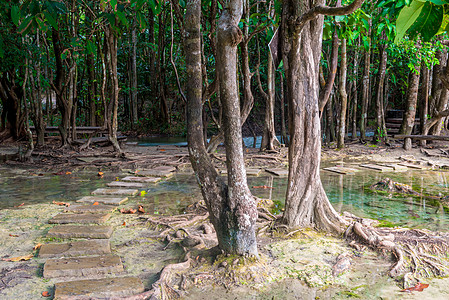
(262, 187)
(124, 224)
(419, 287)
(13, 235)
(100, 174)
(68, 173)
(20, 205)
(38, 246)
(45, 294)
(96, 203)
(61, 203)
(128, 211)
(140, 209)
(162, 150)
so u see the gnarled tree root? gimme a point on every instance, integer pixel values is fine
(420, 252)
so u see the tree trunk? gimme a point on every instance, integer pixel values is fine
(326, 92)
(269, 139)
(380, 133)
(134, 74)
(424, 99)
(284, 136)
(365, 89)
(232, 209)
(354, 96)
(410, 110)
(306, 202)
(343, 96)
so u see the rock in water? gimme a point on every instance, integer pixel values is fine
(343, 264)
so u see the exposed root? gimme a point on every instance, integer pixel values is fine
(423, 253)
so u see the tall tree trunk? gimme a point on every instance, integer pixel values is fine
(232, 209)
(355, 95)
(306, 202)
(365, 88)
(410, 111)
(326, 92)
(343, 96)
(284, 136)
(269, 139)
(380, 133)
(424, 98)
(134, 74)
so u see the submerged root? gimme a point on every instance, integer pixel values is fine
(423, 253)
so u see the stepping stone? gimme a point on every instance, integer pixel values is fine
(142, 179)
(278, 172)
(79, 218)
(253, 172)
(397, 167)
(81, 231)
(377, 168)
(118, 192)
(163, 171)
(341, 170)
(103, 200)
(82, 208)
(126, 184)
(413, 166)
(105, 288)
(80, 248)
(83, 266)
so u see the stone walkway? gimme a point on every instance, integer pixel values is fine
(87, 269)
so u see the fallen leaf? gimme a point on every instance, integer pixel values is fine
(100, 174)
(162, 150)
(13, 235)
(128, 211)
(124, 224)
(117, 179)
(61, 203)
(45, 294)
(262, 187)
(96, 203)
(419, 287)
(38, 246)
(19, 258)
(68, 173)
(142, 193)
(20, 205)
(140, 209)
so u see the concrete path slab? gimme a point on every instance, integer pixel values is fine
(105, 288)
(118, 192)
(125, 184)
(278, 172)
(93, 209)
(142, 179)
(415, 166)
(81, 231)
(103, 200)
(253, 172)
(64, 218)
(397, 167)
(83, 266)
(163, 171)
(377, 167)
(79, 248)
(341, 170)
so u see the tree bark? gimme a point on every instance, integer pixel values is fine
(424, 99)
(365, 89)
(410, 109)
(343, 96)
(380, 132)
(232, 208)
(306, 202)
(326, 92)
(134, 74)
(355, 96)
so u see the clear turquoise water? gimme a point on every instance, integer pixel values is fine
(346, 192)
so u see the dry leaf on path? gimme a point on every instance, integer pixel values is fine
(419, 287)
(61, 203)
(96, 203)
(46, 294)
(19, 258)
(128, 211)
(140, 209)
(38, 246)
(13, 235)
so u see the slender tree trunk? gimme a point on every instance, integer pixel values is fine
(424, 98)
(282, 104)
(134, 74)
(410, 111)
(232, 209)
(326, 92)
(380, 133)
(355, 96)
(365, 89)
(343, 96)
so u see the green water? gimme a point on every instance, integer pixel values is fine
(346, 192)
